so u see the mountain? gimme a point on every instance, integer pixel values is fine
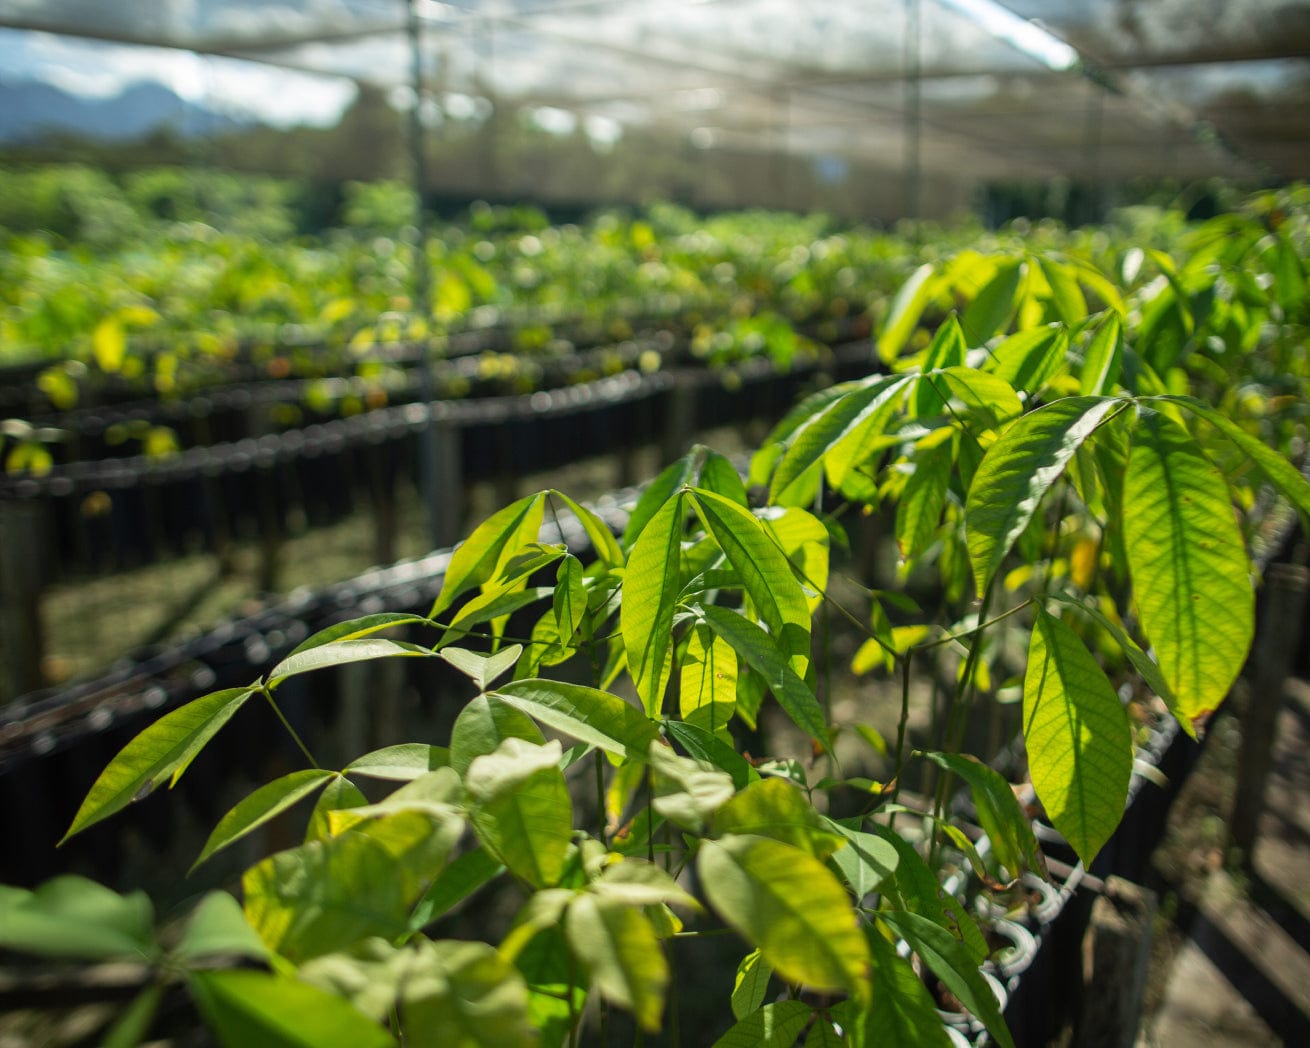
(30, 109)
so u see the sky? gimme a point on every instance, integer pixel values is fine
(279, 97)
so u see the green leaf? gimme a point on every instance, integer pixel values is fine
(947, 349)
(866, 862)
(466, 995)
(218, 928)
(707, 687)
(521, 809)
(132, 1026)
(483, 724)
(775, 1025)
(495, 603)
(1066, 295)
(455, 883)
(339, 653)
(1018, 470)
(1142, 662)
(993, 306)
(1190, 570)
(843, 422)
(777, 809)
(687, 791)
(902, 1011)
(557, 988)
(919, 511)
(1079, 741)
(603, 543)
(400, 763)
(763, 655)
(655, 498)
(765, 573)
(265, 803)
(751, 985)
(481, 556)
(162, 750)
(712, 750)
(339, 793)
(598, 718)
(903, 315)
(1289, 481)
(483, 670)
(249, 1009)
(570, 601)
(999, 813)
(822, 1033)
(1104, 359)
(720, 476)
(955, 966)
(651, 583)
(635, 882)
(981, 392)
(325, 896)
(619, 946)
(790, 905)
(369, 976)
(1027, 360)
(805, 542)
(73, 917)
(354, 629)
(920, 892)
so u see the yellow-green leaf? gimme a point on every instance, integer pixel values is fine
(1018, 470)
(1079, 741)
(619, 946)
(792, 907)
(162, 750)
(651, 583)
(1190, 570)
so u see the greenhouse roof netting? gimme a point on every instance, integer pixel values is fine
(1032, 89)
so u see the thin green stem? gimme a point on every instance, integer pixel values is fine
(951, 638)
(287, 724)
(600, 798)
(901, 728)
(958, 718)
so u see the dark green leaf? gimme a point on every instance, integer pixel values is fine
(954, 965)
(999, 813)
(764, 656)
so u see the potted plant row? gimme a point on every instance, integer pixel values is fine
(644, 762)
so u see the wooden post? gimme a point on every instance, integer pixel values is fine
(21, 561)
(382, 491)
(1278, 642)
(1116, 956)
(448, 503)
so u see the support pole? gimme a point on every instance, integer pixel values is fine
(21, 560)
(913, 105)
(1116, 955)
(1279, 640)
(431, 480)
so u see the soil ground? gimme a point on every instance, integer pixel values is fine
(1231, 949)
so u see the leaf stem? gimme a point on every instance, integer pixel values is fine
(264, 689)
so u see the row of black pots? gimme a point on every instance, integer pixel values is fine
(117, 513)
